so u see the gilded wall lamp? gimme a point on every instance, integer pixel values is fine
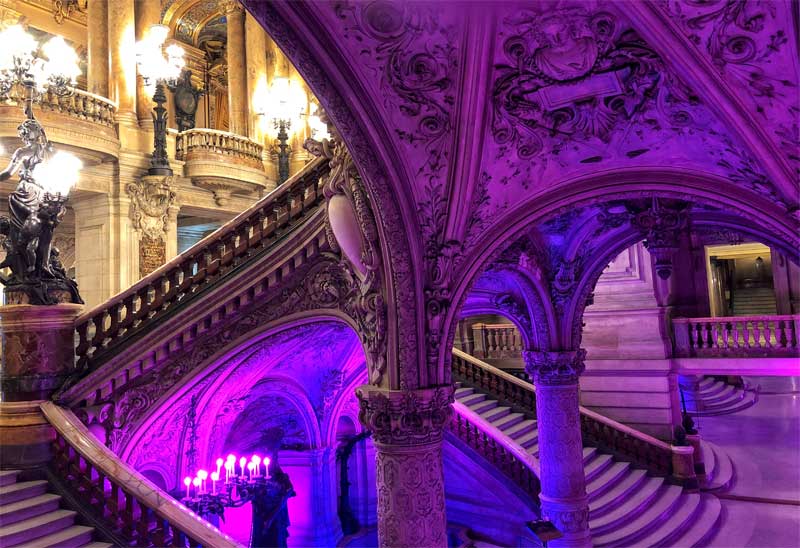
(159, 67)
(29, 70)
(284, 104)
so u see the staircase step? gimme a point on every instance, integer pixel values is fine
(596, 466)
(676, 522)
(509, 420)
(529, 440)
(71, 537)
(703, 525)
(533, 449)
(97, 545)
(711, 391)
(28, 508)
(723, 469)
(661, 507)
(7, 477)
(706, 383)
(603, 502)
(33, 528)
(608, 479)
(472, 399)
(521, 429)
(461, 392)
(497, 413)
(588, 454)
(722, 395)
(19, 491)
(604, 520)
(484, 406)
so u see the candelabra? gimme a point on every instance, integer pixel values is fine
(284, 102)
(38, 203)
(267, 492)
(158, 71)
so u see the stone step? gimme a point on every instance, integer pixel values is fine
(461, 392)
(484, 406)
(588, 454)
(97, 545)
(472, 399)
(35, 527)
(603, 502)
(727, 392)
(671, 525)
(71, 537)
(529, 440)
(28, 508)
(706, 383)
(521, 429)
(509, 421)
(596, 466)
(722, 475)
(608, 479)
(703, 525)
(604, 520)
(497, 413)
(533, 449)
(7, 477)
(658, 509)
(20, 491)
(711, 391)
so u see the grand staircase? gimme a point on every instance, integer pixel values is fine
(754, 301)
(714, 397)
(32, 517)
(628, 505)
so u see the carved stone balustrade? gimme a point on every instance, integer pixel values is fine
(125, 505)
(740, 336)
(81, 120)
(497, 341)
(222, 162)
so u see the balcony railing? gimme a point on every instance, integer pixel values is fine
(496, 341)
(199, 142)
(127, 503)
(740, 336)
(81, 105)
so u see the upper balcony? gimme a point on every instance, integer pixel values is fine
(222, 162)
(82, 120)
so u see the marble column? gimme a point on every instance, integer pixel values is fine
(97, 25)
(122, 42)
(256, 55)
(407, 429)
(148, 13)
(563, 497)
(237, 67)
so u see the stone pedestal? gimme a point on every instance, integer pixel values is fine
(38, 349)
(407, 431)
(25, 435)
(563, 496)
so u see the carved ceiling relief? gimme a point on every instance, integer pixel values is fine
(577, 86)
(750, 43)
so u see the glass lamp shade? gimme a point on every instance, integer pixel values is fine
(287, 100)
(16, 45)
(61, 63)
(153, 65)
(59, 173)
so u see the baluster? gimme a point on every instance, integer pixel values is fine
(725, 333)
(178, 538)
(714, 342)
(699, 334)
(746, 333)
(735, 334)
(143, 534)
(128, 518)
(790, 334)
(756, 334)
(767, 333)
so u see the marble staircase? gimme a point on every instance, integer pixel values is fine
(627, 507)
(715, 397)
(30, 517)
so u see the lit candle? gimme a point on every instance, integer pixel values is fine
(257, 463)
(196, 483)
(242, 462)
(250, 467)
(187, 481)
(214, 480)
(219, 465)
(203, 475)
(266, 466)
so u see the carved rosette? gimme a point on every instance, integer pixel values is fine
(554, 368)
(407, 428)
(661, 223)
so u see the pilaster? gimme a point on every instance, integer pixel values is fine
(237, 67)
(407, 428)
(122, 44)
(148, 13)
(256, 53)
(97, 28)
(563, 497)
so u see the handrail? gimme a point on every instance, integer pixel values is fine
(217, 142)
(146, 515)
(246, 235)
(659, 457)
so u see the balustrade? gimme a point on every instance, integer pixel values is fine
(506, 388)
(211, 141)
(248, 235)
(497, 341)
(742, 336)
(125, 501)
(82, 105)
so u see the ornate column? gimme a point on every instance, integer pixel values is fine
(151, 200)
(97, 24)
(148, 13)
(122, 42)
(563, 497)
(407, 429)
(237, 67)
(256, 71)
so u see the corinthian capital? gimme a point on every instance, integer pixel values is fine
(554, 367)
(405, 417)
(230, 6)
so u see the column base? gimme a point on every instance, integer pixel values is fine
(571, 518)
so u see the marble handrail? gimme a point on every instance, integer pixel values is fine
(154, 296)
(146, 515)
(731, 336)
(644, 450)
(216, 142)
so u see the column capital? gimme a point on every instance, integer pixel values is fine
(230, 6)
(405, 417)
(554, 367)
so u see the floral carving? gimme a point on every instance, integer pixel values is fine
(151, 198)
(553, 368)
(661, 222)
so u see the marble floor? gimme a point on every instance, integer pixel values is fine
(764, 445)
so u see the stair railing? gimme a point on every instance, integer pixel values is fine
(732, 336)
(114, 321)
(135, 508)
(658, 457)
